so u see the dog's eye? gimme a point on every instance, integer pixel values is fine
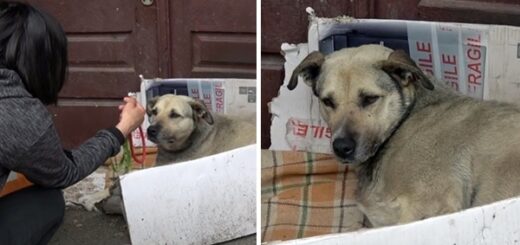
(367, 100)
(174, 114)
(328, 102)
(154, 111)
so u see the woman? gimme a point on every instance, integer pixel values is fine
(33, 60)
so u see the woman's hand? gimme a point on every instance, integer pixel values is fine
(132, 116)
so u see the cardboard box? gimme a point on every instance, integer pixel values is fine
(478, 60)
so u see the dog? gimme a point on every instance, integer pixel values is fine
(418, 148)
(184, 129)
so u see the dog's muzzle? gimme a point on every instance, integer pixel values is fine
(153, 132)
(344, 148)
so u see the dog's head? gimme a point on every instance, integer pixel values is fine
(174, 118)
(364, 93)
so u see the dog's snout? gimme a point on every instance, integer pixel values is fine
(344, 147)
(152, 131)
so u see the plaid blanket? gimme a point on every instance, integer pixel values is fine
(306, 194)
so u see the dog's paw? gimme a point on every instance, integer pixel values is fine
(89, 201)
(111, 205)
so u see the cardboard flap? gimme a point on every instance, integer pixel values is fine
(203, 201)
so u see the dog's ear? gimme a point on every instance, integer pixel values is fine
(402, 68)
(150, 104)
(200, 111)
(309, 69)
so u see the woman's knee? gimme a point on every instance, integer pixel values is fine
(31, 216)
(57, 203)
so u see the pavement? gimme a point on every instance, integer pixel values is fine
(81, 227)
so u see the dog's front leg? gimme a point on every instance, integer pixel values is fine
(423, 208)
(385, 211)
(379, 211)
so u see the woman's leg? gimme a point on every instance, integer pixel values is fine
(31, 216)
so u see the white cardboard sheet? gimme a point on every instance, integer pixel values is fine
(497, 223)
(204, 201)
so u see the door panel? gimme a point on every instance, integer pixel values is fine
(471, 11)
(223, 53)
(287, 21)
(213, 38)
(91, 16)
(223, 16)
(76, 123)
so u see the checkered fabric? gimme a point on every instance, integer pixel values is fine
(306, 194)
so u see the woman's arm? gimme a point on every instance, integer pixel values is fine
(46, 163)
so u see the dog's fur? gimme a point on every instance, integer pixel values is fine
(419, 149)
(184, 129)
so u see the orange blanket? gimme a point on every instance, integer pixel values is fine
(12, 185)
(305, 194)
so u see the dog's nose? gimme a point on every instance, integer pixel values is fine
(344, 147)
(152, 131)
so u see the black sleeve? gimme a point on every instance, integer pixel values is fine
(48, 164)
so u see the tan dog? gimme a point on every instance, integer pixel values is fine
(419, 149)
(184, 129)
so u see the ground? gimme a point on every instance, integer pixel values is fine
(81, 228)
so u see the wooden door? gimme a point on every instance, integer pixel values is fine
(286, 21)
(110, 44)
(213, 38)
(506, 12)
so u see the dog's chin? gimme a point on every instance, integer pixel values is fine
(356, 160)
(172, 145)
(153, 139)
(349, 161)
(161, 141)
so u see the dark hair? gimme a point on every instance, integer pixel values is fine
(33, 44)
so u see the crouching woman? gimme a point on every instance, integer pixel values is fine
(33, 63)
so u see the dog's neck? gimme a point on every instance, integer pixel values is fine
(200, 134)
(368, 170)
(423, 98)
